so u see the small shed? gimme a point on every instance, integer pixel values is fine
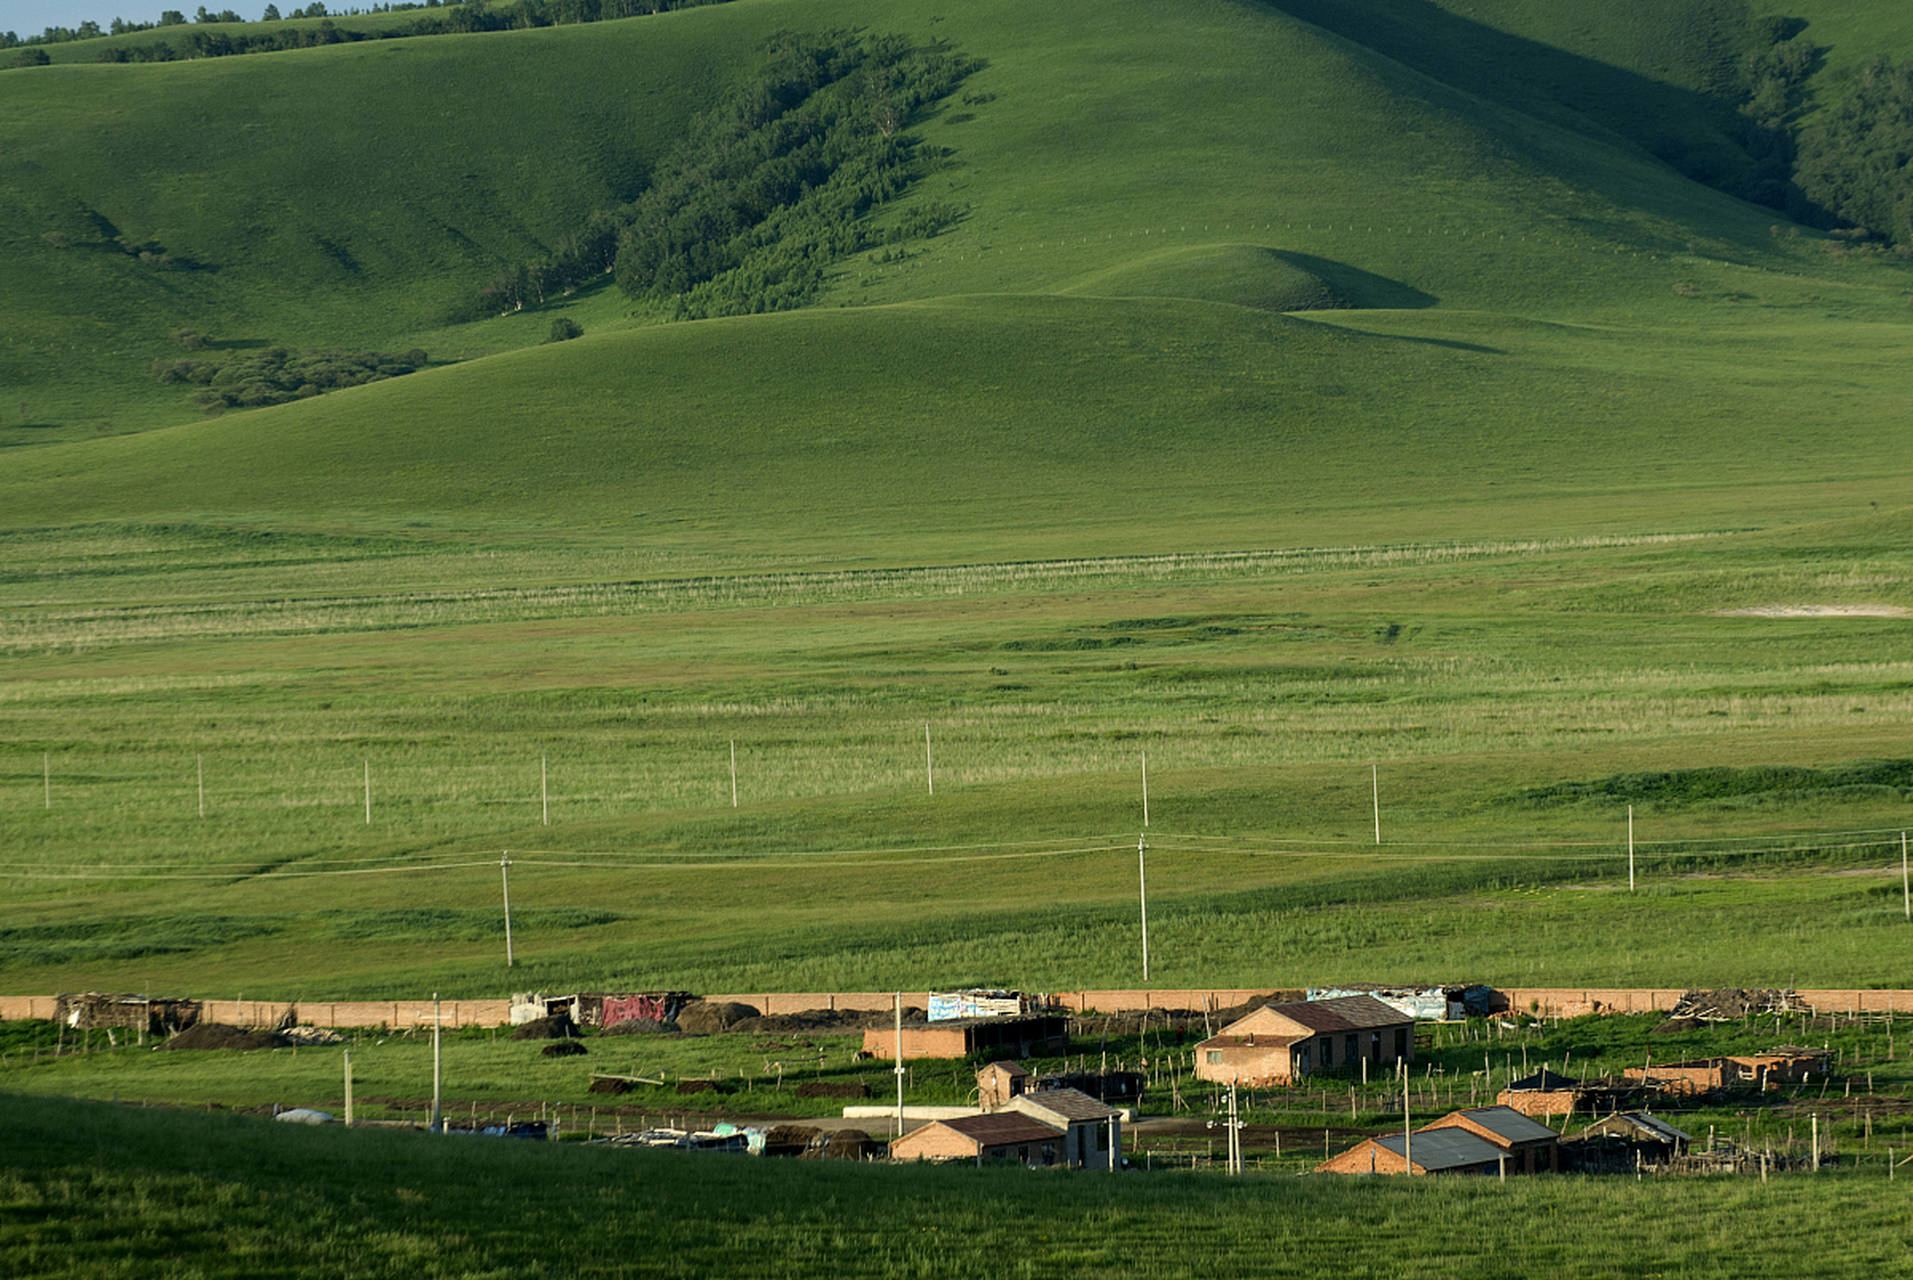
(1284, 1043)
(1032, 1034)
(1531, 1147)
(1545, 1093)
(1453, 1151)
(1656, 1138)
(1093, 1135)
(152, 1015)
(997, 1083)
(1006, 1135)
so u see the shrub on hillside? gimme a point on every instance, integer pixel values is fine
(275, 375)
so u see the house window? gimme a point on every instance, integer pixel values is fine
(1215, 1056)
(1102, 1137)
(1350, 1048)
(1049, 1153)
(1328, 1052)
(1401, 1042)
(1375, 1046)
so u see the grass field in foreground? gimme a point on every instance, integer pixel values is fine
(93, 1190)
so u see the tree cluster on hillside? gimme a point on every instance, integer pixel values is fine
(1856, 160)
(769, 187)
(475, 15)
(275, 375)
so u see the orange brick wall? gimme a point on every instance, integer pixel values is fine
(933, 1142)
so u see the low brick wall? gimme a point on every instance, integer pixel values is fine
(1553, 1002)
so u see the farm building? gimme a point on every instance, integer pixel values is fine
(997, 1083)
(1092, 1131)
(1283, 1043)
(1545, 1093)
(1530, 1146)
(1038, 1033)
(139, 1014)
(1490, 1140)
(1642, 1129)
(599, 1008)
(1424, 1004)
(978, 1002)
(1006, 1135)
(1762, 1071)
(1443, 1151)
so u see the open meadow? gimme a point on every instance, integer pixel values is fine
(1435, 474)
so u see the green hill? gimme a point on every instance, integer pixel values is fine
(1289, 387)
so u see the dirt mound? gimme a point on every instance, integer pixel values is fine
(824, 1021)
(563, 1049)
(789, 1140)
(705, 1017)
(558, 1026)
(844, 1144)
(833, 1089)
(610, 1086)
(217, 1035)
(697, 1086)
(637, 1027)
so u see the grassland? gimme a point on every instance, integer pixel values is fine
(1065, 486)
(90, 1188)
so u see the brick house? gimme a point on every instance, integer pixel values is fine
(1006, 1135)
(1531, 1147)
(997, 1083)
(1092, 1130)
(1444, 1151)
(1022, 1037)
(1284, 1043)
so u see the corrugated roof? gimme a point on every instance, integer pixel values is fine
(1070, 1104)
(1438, 1149)
(1504, 1122)
(1345, 1013)
(1650, 1125)
(1002, 1127)
(1260, 1040)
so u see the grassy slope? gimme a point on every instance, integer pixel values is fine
(106, 1191)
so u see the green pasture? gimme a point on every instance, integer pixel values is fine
(90, 1188)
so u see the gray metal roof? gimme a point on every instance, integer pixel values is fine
(1506, 1122)
(1001, 1127)
(1070, 1104)
(1648, 1125)
(1439, 1149)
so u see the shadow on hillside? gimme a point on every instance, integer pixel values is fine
(1358, 288)
(1699, 134)
(1449, 343)
(238, 344)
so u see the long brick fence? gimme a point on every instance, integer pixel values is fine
(1553, 1002)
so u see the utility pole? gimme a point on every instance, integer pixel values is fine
(504, 870)
(438, 1115)
(929, 773)
(1630, 848)
(899, 1067)
(1375, 781)
(1142, 893)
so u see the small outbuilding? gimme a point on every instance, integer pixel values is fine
(1531, 1147)
(1284, 1043)
(1036, 1034)
(997, 1083)
(1441, 1151)
(1006, 1135)
(1092, 1130)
